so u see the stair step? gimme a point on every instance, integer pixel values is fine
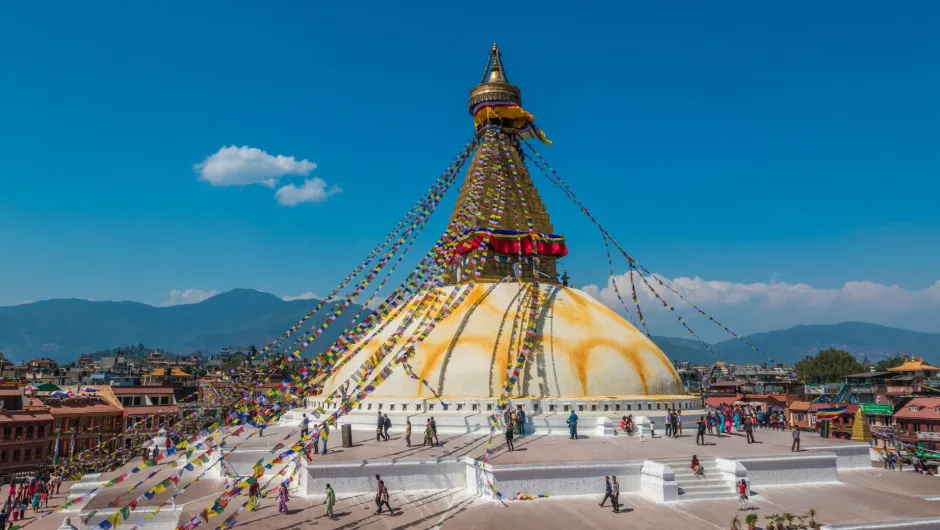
(701, 496)
(707, 487)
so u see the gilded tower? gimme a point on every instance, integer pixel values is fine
(495, 103)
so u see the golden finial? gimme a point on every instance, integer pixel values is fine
(495, 85)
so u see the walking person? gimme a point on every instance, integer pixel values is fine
(509, 434)
(330, 501)
(521, 432)
(709, 423)
(677, 426)
(427, 433)
(749, 429)
(282, 497)
(668, 421)
(742, 495)
(386, 425)
(795, 448)
(254, 496)
(700, 435)
(615, 494)
(408, 432)
(433, 433)
(324, 434)
(379, 427)
(304, 426)
(381, 496)
(573, 426)
(515, 422)
(608, 491)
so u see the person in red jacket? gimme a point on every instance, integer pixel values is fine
(742, 495)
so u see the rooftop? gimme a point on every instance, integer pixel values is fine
(926, 409)
(914, 365)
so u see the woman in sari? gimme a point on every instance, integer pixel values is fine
(282, 497)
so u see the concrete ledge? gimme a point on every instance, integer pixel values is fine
(734, 472)
(359, 477)
(658, 482)
(86, 484)
(566, 479)
(849, 455)
(604, 427)
(803, 468)
(927, 523)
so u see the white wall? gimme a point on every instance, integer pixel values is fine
(359, 477)
(566, 479)
(801, 468)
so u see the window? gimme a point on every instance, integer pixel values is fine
(19, 432)
(29, 432)
(27, 454)
(16, 455)
(137, 401)
(4, 456)
(6, 432)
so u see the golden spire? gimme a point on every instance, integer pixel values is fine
(495, 85)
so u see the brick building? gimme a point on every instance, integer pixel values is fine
(146, 410)
(26, 434)
(918, 422)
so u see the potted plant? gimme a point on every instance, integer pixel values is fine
(778, 520)
(812, 518)
(788, 518)
(736, 523)
(771, 521)
(751, 521)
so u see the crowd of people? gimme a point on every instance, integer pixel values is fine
(34, 494)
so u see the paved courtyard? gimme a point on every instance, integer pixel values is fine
(873, 494)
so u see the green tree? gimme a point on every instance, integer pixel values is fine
(891, 362)
(827, 366)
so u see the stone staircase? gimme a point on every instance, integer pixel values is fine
(692, 488)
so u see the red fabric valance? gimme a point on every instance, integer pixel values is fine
(516, 245)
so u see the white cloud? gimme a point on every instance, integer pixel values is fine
(241, 166)
(312, 190)
(753, 307)
(309, 295)
(189, 296)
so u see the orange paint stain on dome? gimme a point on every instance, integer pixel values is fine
(581, 351)
(633, 330)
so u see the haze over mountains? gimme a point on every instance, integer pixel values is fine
(63, 329)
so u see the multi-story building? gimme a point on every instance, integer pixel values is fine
(26, 433)
(84, 421)
(918, 422)
(880, 417)
(146, 410)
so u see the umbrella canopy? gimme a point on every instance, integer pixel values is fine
(47, 387)
(30, 388)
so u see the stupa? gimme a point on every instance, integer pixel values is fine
(585, 356)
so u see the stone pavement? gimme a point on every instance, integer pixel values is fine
(871, 494)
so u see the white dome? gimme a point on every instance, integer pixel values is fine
(583, 349)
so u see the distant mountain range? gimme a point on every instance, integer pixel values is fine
(63, 329)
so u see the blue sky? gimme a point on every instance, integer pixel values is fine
(739, 143)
